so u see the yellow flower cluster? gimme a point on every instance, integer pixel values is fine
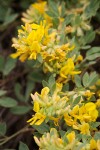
(35, 12)
(68, 69)
(30, 40)
(48, 106)
(56, 106)
(34, 39)
(79, 117)
(53, 141)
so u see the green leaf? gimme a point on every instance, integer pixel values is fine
(51, 14)
(89, 37)
(92, 62)
(29, 87)
(2, 92)
(55, 22)
(51, 81)
(62, 133)
(78, 81)
(86, 138)
(93, 78)
(77, 20)
(93, 50)
(53, 88)
(94, 124)
(23, 146)
(39, 58)
(7, 102)
(45, 84)
(86, 47)
(53, 8)
(68, 19)
(41, 128)
(91, 9)
(63, 9)
(62, 38)
(1, 63)
(86, 79)
(9, 66)
(9, 17)
(65, 87)
(3, 128)
(36, 76)
(20, 110)
(2, 12)
(77, 100)
(18, 93)
(97, 136)
(93, 53)
(93, 56)
(80, 146)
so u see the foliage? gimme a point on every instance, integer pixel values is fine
(59, 53)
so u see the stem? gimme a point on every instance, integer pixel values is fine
(25, 129)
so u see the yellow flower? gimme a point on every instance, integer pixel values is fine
(79, 117)
(37, 119)
(98, 103)
(88, 112)
(93, 114)
(67, 47)
(49, 106)
(98, 144)
(44, 92)
(30, 41)
(79, 58)
(50, 141)
(55, 120)
(69, 121)
(41, 7)
(48, 19)
(36, 12)
(75, 111)
(91, 110)
(88, 94)
(84, 128)
(90, 106)
(68, 69)
(71, 136)
(93, 144)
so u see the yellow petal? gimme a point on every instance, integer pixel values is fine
(90, 106)
(34, 26)
(23, 57)
(36, 107)
(84, 128)
(93, 114)
(15, 55)
(75, 72)
(39, 121)
(98, 144)
(71, 136)
(45, 91)
(93, 144)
